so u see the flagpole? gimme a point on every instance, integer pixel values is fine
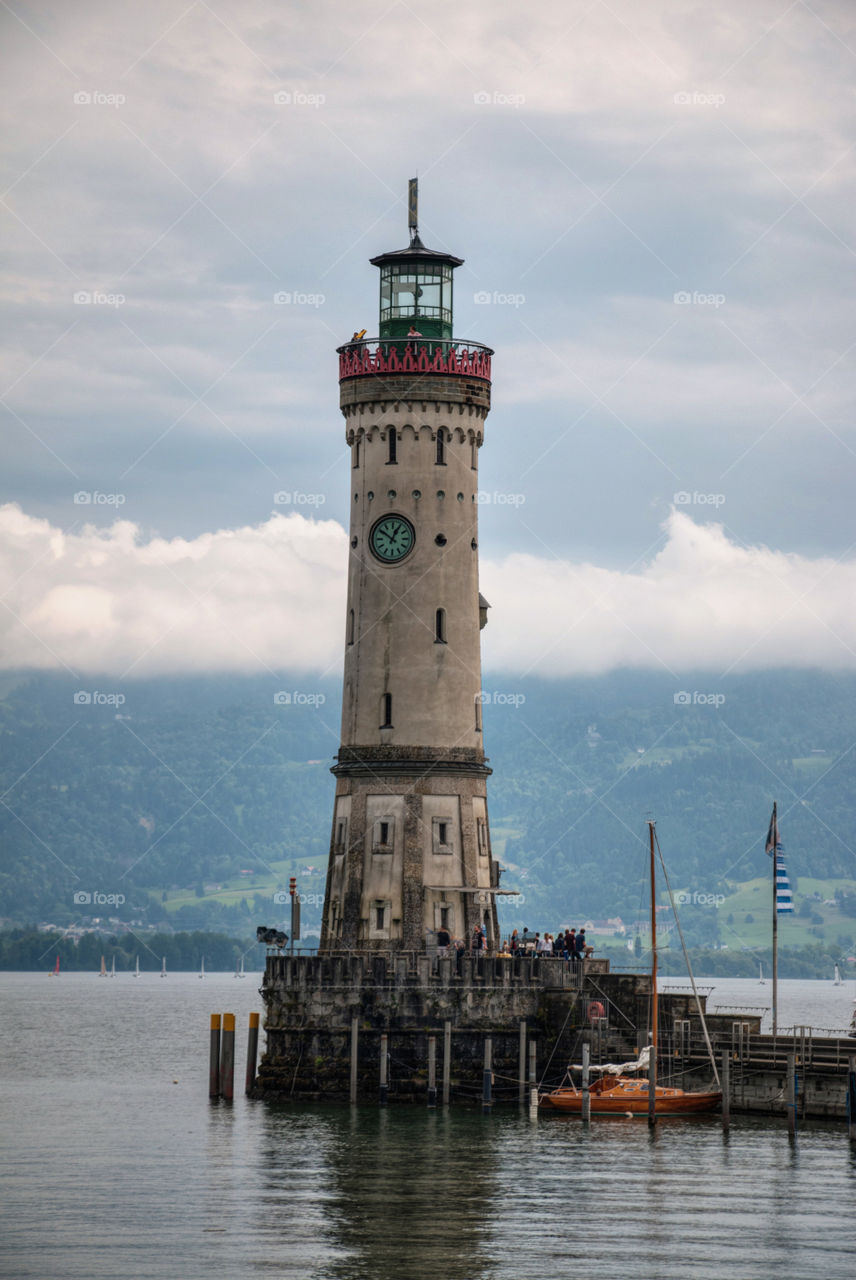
(775, 830)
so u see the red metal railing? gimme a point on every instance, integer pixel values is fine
(421, 355)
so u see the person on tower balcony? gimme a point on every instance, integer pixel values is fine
(413, 332)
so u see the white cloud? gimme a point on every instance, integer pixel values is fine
(105, 600)
(702, 602)
(273, 597)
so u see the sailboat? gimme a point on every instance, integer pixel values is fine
(113, 968)
(837, 978)
(103, 973)
(54, 973)
(239, 973)
(163, 967)
(202, 968)
(137, 970)
(760, 973)
(615, 1092)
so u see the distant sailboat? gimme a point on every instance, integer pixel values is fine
(54, 973)
(113, 968)
(137, 970)
(202, 968)
(836, 981)
(103, 973)
(239, 973)
(760, 973)
(163, 967)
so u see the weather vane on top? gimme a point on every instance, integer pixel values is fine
(413, 209)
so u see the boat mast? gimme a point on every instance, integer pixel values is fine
(653, 946)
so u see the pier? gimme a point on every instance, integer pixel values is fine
(369, 1026)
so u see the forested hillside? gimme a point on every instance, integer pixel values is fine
(195, 799)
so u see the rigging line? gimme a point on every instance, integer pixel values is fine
(558, 1038)
(687, 962)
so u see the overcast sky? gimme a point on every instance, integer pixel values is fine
(655, 200)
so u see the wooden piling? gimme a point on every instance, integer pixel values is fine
(726, 1090)
(533, 1083)
(355, 1037)
(585, 1111)
(227, 1058)
(252, 1052)
(791, 1094)
(384, 1067)
(652, 1086)
(851, 1097)
(214, 1058)
(522, 1063)
(447, 1061)
(432, 1071)
(487, 1076)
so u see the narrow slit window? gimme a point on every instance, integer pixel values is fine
(440, 626)
(350, 626)
(386, 711)
(393, 445)
(379, 916)
(356, 453)
(441, 449)
(478, 706)
(383, 833)
(442, 832)
(474, 456)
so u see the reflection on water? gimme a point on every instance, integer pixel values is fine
(400, 1194)
(113, 1171)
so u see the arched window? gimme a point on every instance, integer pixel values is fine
(440, 626)
(474, 455)
(441, 449)
(386, 711)
(350, 626)
(393, 443)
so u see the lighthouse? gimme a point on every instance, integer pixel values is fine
(410, 849)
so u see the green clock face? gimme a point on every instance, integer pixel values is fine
(392, 538)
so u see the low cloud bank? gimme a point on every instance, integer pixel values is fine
(272, 597)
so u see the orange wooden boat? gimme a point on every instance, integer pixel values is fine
(626, 1095)
(618, 1094)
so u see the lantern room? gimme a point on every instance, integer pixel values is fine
(415, 286)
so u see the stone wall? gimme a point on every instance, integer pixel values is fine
(311, 1001)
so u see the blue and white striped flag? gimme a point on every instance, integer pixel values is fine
(784, 900)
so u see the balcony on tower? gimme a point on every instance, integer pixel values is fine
(415, 355)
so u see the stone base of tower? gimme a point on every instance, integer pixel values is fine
(314, 1005)
(410, 850)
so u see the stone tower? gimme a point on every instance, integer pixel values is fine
(410, 849)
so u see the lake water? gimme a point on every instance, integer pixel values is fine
(117, 1166)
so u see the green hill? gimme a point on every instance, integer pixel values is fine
(195, 799)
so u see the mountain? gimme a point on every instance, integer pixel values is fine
(194, 799)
